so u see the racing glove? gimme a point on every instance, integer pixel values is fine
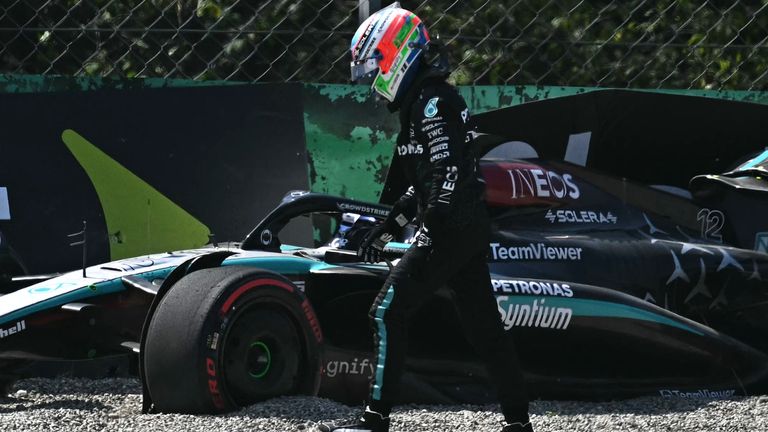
(423, 239)
(372, 247)
(431, 229)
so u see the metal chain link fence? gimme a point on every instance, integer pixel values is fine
(719, 44)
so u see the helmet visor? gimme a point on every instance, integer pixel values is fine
(364, 71)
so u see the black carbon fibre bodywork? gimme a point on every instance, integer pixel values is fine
(610, 288)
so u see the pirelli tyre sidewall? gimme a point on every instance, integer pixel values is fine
(228, 337)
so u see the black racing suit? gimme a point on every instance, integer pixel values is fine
(446, 198)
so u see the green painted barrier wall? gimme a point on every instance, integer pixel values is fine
(350, 138)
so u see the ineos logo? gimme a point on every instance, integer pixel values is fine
(542, 184)
(451, 177)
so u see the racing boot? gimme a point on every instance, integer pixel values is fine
(371, 421)
(517, 427)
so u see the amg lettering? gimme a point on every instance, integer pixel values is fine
(438, 156)
(520, 313)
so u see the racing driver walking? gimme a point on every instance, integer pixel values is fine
(393, 50)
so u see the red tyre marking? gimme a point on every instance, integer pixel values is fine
(213, 384)
(250, 285)
(312, 320)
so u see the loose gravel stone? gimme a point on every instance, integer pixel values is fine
(115, 405)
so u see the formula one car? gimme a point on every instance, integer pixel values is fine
(610, 288)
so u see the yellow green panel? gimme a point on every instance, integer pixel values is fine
(139, 219)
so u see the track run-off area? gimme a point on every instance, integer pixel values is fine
(115, 405)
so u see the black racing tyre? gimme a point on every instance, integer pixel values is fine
(227, 337)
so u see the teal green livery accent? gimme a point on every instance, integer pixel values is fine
(100, 288)
(397, 245)
(282, 265)
(288, 265)
(382, 331)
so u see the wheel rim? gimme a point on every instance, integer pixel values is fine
(261, 354)
(259, 359)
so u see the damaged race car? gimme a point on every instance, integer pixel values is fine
(611, 288)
